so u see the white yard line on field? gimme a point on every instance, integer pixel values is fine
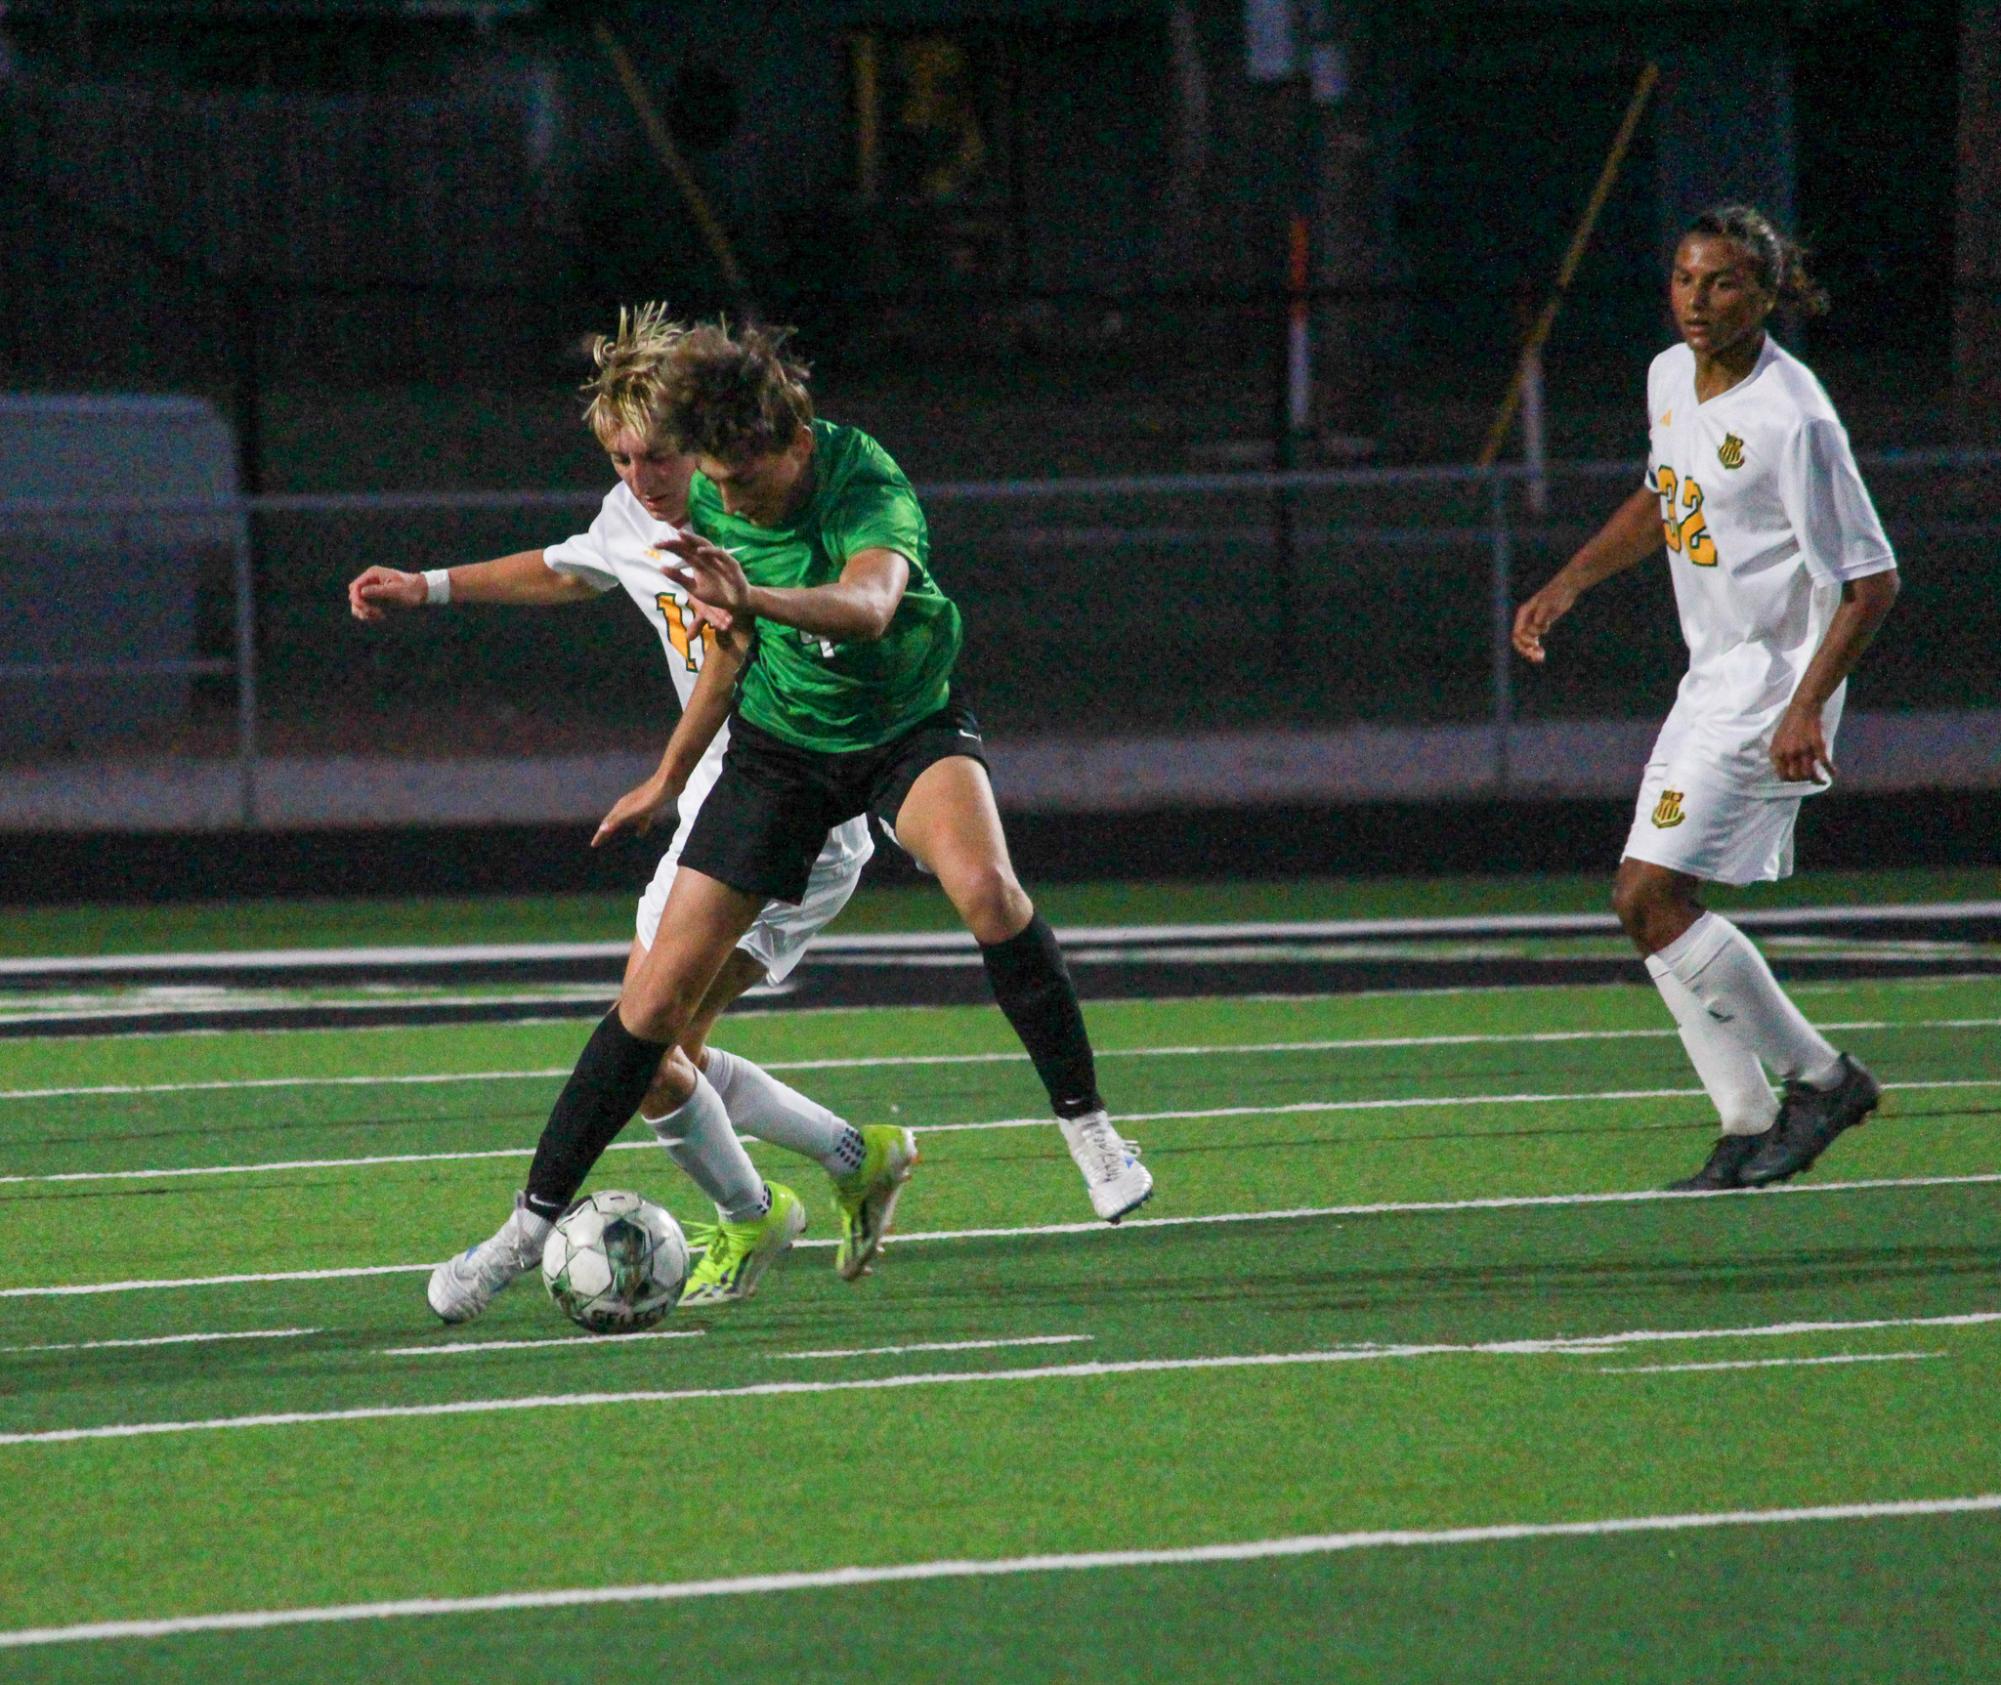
(1586, 1345)
(935, 1346)
(1419, 1207)
(969, 1377)
(175, 1172)
(562, 1340)
(100, 1090)
(341, 1274)
(1414, 1102)
(595, 998)
(1417, 1102)
(1386, 1208)
(904, 1060)
(752, 1585)
(168, 1340)
(1766, 1363)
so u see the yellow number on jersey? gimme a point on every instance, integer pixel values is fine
(681, 635)
(1690, 534)
(1665, 483)
(1694, 535)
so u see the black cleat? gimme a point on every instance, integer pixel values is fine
(1809, 1120)
(1725, 1167)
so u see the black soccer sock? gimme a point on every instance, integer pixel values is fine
(613, 1073)
(1032, 985)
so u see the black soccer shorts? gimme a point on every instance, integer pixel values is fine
(765, 822)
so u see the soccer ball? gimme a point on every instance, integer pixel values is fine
(615, 1262)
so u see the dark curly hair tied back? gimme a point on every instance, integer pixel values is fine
(1780, 262)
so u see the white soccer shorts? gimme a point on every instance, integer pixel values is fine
(781, 932)
(1690, 820)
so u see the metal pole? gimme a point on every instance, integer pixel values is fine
(246, 669)
(1607, 175)
(1502, 588)
(669, 155)
(1535, 449)
(247, 398)
(1295, 395)
(1295, 405)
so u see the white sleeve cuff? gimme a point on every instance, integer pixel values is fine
(437, 585)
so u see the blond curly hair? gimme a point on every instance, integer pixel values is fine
(628, 390)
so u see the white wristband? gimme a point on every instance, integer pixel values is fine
(437, 585)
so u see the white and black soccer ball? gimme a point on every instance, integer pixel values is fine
(615, 1262)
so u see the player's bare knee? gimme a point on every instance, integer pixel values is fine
(1654, 908)
(992, 902)
(1648, 909)
(658, 1011)
(1629, 904)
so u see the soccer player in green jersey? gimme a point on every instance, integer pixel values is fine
(704, 1095)
(810, 534)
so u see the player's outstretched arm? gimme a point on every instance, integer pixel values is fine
(1628, 538)
(1799, 746)
(708, 707)
(520, 578)
(856, 608)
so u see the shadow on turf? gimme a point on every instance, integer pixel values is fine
(1498, 1283)
(268, 1126)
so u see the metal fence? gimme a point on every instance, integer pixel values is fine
(1158, 609)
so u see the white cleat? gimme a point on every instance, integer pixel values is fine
(1119, 1183)
(464, 1286)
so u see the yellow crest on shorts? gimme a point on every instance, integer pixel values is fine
(1667, 811)
(1731, 452)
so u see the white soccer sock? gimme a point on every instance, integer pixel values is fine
(699, 1138)
(528, 1225)
(1730, 977)
(1730, 1071)
(759, 1104)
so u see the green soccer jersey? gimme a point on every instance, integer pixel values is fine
(806, 689)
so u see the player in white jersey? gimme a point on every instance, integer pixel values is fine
(701, 1095)
(1782, 575)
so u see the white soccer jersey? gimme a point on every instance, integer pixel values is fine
(1765, 516)
(622, 548)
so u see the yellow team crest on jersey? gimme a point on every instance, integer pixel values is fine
(1731, 452)
(1667, 418)
(1667, 811)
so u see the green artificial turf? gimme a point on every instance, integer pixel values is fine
(1282, 1399)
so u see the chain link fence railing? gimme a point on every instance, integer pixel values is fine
(1142, 607)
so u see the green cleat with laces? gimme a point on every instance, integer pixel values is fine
(867, 1197)
(736, 1255)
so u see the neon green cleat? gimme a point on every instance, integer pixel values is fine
(867, 1198)
(738, 1254)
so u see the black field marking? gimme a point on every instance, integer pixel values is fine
(1170, 962)
(1889, 927)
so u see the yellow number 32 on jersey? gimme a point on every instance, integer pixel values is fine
(1689, 535)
